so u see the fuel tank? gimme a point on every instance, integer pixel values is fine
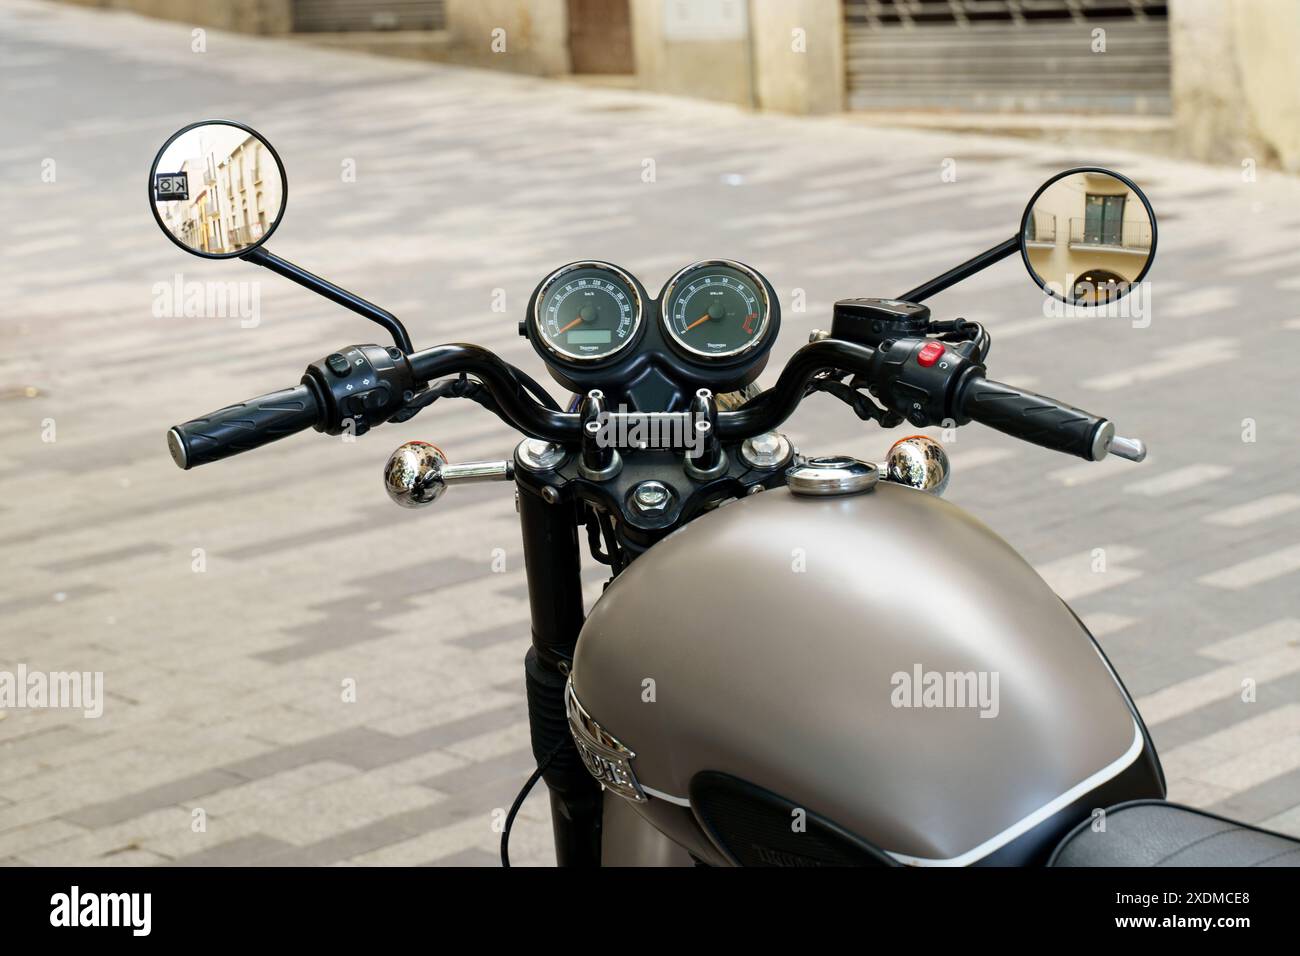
(870, 678)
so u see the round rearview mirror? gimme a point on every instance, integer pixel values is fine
(1088, 236)
(217, 189)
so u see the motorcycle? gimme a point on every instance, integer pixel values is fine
(750, 689)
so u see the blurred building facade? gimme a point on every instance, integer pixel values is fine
(234, 197)
(1219, 79)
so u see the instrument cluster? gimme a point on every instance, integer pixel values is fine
(595, 325)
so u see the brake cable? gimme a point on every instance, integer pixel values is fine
(594, 530)
(963, 330)
(463, 387)
(523, 795)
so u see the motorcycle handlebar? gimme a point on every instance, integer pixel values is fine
(245, 426)
(1022, 414)
(502, 381)
(1036, 418)
(251, 424)
(525, 414)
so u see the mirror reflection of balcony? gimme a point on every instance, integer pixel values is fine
(1040, 230)
(1132, 238)
(239, 236)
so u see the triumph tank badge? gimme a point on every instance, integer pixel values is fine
(604, 756)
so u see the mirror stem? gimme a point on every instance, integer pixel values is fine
(963, 271)
(334, 293)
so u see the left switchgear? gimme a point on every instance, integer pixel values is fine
(364, 386)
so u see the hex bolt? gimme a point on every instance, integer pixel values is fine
(651, 497)
(768, 450)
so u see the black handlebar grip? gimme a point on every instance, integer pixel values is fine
(245, 426)
(1036, 418)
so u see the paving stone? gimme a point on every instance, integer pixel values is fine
(471, 857)
(174, 792)
(351, 843)
(516, 764)
(268, 791)
(82, 561)
(22, 839)
(98, 846)
(314, 815)
(492, 636)
(244, 851)
(436, 843)
(1273, 799)
(344, 746)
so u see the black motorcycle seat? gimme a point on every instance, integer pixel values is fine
(1158, 833)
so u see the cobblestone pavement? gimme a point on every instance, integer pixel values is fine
(223, 687)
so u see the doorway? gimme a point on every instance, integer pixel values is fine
(600, 36)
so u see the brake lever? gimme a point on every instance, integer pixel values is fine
(862, 404)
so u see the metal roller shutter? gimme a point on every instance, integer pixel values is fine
(338, 16)
(1007, 55)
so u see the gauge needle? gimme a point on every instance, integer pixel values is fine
(577, 321)
(704, 318)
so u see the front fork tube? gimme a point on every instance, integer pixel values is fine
(551, 558)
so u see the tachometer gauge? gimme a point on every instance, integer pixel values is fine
(716, 309)
(587, 311)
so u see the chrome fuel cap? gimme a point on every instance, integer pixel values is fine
(832, 475)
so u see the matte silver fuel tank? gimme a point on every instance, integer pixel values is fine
(787, 649)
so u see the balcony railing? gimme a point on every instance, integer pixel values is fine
(239, 236)
(1041, 229)
(1121, 237)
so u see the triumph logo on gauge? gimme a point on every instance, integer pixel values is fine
(587, 311)
(716, 309)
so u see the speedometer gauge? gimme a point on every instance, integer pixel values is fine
(717, 309)
(587, 311)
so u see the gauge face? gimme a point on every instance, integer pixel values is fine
(587, 311)
(716, 309)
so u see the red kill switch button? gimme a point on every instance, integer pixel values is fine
(929, 354)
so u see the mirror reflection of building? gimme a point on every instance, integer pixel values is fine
(235, 189)
(1088, 236)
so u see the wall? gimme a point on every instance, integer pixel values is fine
(791, 80)
(536, 34)
(1236, 80)
(693, 48)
